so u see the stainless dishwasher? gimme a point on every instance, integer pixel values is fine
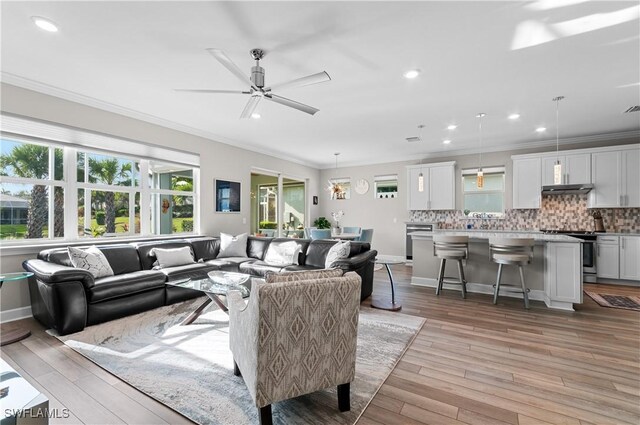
(417, 227)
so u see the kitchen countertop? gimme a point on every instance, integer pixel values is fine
(486, 234)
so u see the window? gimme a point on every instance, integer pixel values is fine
(54, 190)
(293, 196)
(487, 202)
(32, 190)
(386, 187)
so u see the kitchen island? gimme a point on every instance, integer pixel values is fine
(554, 275)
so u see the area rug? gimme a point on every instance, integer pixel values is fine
(616, 301)
(190, 369)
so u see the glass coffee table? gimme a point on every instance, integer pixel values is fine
(215, 286)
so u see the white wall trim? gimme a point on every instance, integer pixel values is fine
(15, 314)
(478, 288)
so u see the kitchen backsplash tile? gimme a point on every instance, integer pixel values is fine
(562, 212)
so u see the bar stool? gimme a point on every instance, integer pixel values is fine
(515, 252)
(451, 248)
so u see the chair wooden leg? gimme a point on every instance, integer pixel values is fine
(524, 289)
(440, 276)
(265, 415)
(463, 282)
(497, 290)
(344, 394)
(236, 370)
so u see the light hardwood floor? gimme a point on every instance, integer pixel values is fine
(472, 363)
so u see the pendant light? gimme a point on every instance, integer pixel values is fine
(480, 175)
(334, 187)
(421, 176)
(557, 168)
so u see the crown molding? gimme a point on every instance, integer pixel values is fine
(36, 86)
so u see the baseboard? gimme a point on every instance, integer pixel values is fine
(393, 257)
(478, 288)
(15, 314)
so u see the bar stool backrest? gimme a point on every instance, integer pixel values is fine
(449, 243)
(511, 246)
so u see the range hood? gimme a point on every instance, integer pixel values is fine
(566, 189)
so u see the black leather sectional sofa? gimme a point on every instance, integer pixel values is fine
(68, 299)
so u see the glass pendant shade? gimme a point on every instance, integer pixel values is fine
(420, 182)
(480, 179)
(557, 173)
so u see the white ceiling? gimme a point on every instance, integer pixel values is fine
(133, 54)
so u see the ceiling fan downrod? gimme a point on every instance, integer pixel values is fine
(257, 72)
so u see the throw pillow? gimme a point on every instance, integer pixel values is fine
(273, 277)
(233, 246)
(337, 252)
(171, 257)
(282, 253)
(90, 259)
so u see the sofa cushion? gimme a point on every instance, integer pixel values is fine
(229, 264)
(90, 259)
(173, 257)
(111, 287)
(205, 248)
(194, 271)
(257, 247)
(122, 258)
(233, 246)
(258, 268)
(292, 276)
(317, 252)
(56, 255)
(145, 251)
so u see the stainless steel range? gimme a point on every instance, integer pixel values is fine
(588, 250)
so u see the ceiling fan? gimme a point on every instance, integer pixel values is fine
(257, 90)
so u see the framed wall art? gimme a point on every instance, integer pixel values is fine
(227, 196)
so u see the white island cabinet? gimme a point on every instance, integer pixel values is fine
(554, 275)
(630, 257)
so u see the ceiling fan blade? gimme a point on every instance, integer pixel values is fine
(251, 106)
(320, 77)
(291, 103)
(222, 57)
(213, 91)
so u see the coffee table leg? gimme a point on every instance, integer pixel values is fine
(198, 311)
(385, 304)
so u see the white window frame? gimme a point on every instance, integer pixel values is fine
(486, 171)
(384, 178)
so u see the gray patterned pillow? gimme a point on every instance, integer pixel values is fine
(273, 277)
(337, 252)
(90, 259)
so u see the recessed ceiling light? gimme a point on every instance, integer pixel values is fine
(412, 73)
(44, 24)
(514, 116)
(541, 129)
(452, 127)
(255, 115)
(446, 142)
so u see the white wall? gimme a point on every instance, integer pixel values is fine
(387, 216)
(217, 160)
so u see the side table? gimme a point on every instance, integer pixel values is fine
(385, 303)
(14, 335)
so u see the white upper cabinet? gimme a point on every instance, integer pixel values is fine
(438, 188)
(576, 168)
(527, 182)
(616, 179)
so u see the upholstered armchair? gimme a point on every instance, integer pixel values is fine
(296, 337)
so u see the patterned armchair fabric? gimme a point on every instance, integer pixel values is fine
(294, 338)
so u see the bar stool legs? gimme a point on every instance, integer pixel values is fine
(525, 290)
(461, 279)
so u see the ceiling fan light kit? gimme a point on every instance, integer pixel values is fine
(256, 82)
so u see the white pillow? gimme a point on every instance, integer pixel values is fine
(90, 259)
(233, 246)
(282, 253)
(337, 252)
(171, 257)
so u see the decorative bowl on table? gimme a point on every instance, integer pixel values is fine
(228, 278)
